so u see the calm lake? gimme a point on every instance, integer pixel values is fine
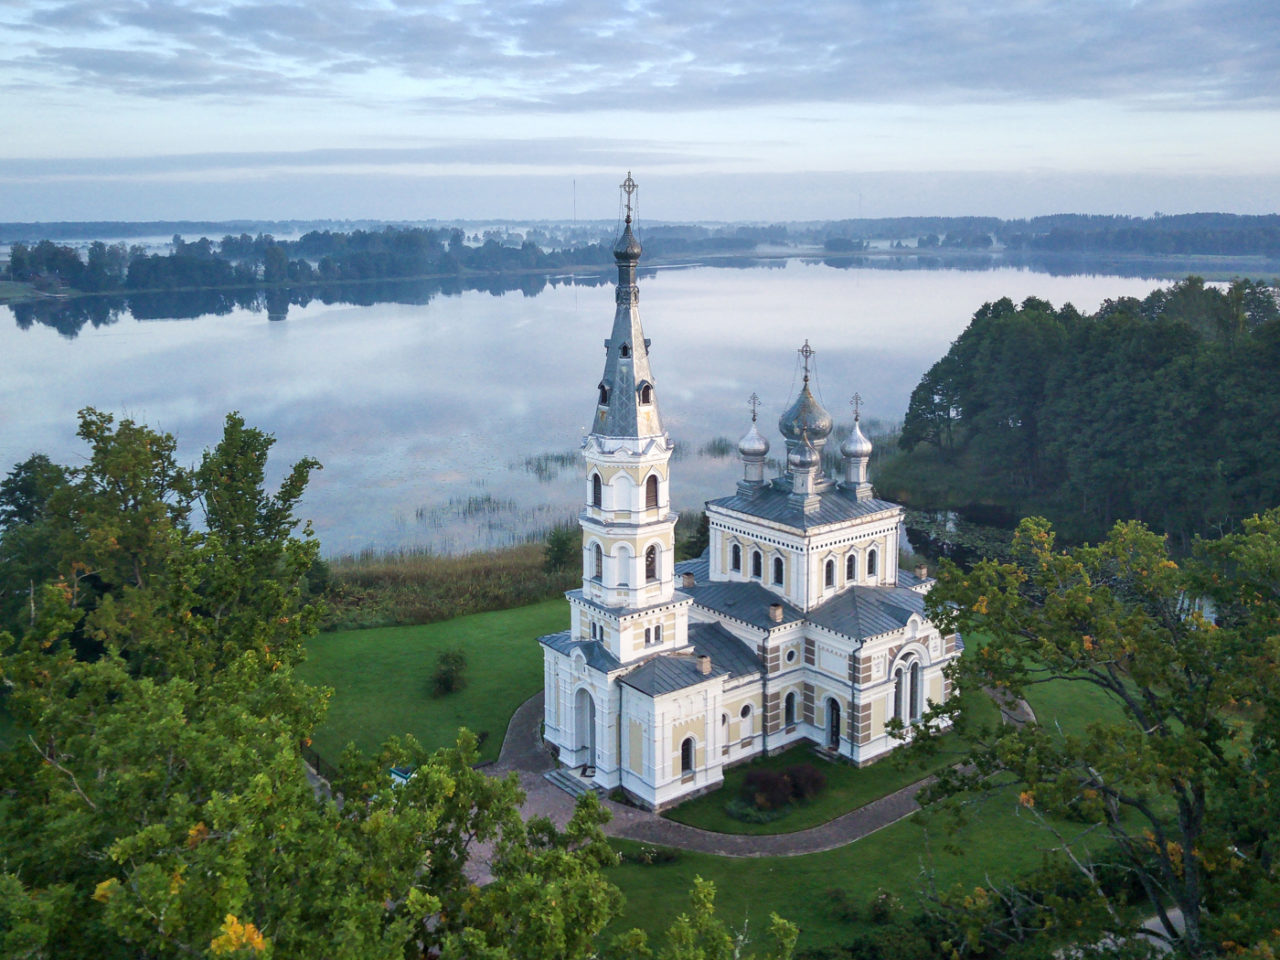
(455, 424)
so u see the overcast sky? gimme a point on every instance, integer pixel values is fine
(745, 110)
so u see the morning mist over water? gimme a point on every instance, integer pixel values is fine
(455, 425)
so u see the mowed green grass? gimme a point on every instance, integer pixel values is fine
(999, 842)
(381, 678)
(848, 787)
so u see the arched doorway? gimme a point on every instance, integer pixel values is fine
(833, 724)
(584, 711)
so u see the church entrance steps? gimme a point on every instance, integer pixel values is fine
(572, 783)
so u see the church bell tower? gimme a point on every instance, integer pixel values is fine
(628, 527)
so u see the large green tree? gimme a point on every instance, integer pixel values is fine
(155, 802)
(1163, 786)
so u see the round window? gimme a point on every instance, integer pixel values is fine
(791, 656)
(746, 711)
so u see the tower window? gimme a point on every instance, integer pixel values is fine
(657, 634)
(829, 576)
(596, 490)
(789, 710)
(777, 570)
(851, 567)
(651, 493)
(871, 564)
(648, 636)
(604, 395)
(646, 393)
(757, 564)
(735, 559)
(625, 351)
(651, 564)
(597, 562)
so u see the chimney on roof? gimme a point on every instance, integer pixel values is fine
(775, 612)
(922, 571)
(688, 580)
(704, 665)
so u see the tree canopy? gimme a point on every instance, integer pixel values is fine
(1152, 410)
(154, 799)
(1157, 797)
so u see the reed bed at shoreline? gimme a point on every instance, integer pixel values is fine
(393, 588)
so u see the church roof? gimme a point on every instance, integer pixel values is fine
(863, 612)
(597, 654)
(746, 601)
(772, 503)
(669, 672)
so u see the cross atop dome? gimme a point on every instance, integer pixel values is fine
(628, 186)
(856, 402)
(806, 351)
(753, 402)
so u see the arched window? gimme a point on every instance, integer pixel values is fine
(745, 728)
(597, 490)
(651, 564)
(757, 564)
(593, 629)
(626, 350)
(899, 694)
(851, 567)
(604, 395)
(648, 639)
(646, 393)
(735, 559)
(871, 563)
(651, 493)
(686, 757)
(789, 710)
(657, 634)
(597, 562)
(914, 690)
(829, 577)
(777, 570)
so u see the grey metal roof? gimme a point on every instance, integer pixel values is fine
(598, 656)
(862, 612)
(748, 602)
(669, 672)
(700, 567)
(771, 503)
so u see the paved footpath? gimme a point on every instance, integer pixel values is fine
(523, 752)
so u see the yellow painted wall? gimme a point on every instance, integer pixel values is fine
(635, 746)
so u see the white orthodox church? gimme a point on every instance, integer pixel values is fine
(795, 626)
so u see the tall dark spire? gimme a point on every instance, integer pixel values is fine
(627, 405)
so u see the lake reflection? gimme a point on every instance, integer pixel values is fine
(455, 423)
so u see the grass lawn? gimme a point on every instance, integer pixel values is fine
(11, 290)
(848, 787)
(381, 678)
(997, 844)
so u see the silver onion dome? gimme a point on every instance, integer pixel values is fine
(856, 446)
(806, 415)
(627, 247)
(753, 446)
(804, 456)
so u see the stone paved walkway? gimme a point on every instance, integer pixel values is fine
(523, 752)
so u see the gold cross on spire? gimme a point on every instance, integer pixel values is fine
(753, 402)
(856, 402)
(629, 187)
(806, 351)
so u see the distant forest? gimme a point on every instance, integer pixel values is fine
(1163, 409)
(327, 255)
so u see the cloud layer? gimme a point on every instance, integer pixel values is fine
(574, 56)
